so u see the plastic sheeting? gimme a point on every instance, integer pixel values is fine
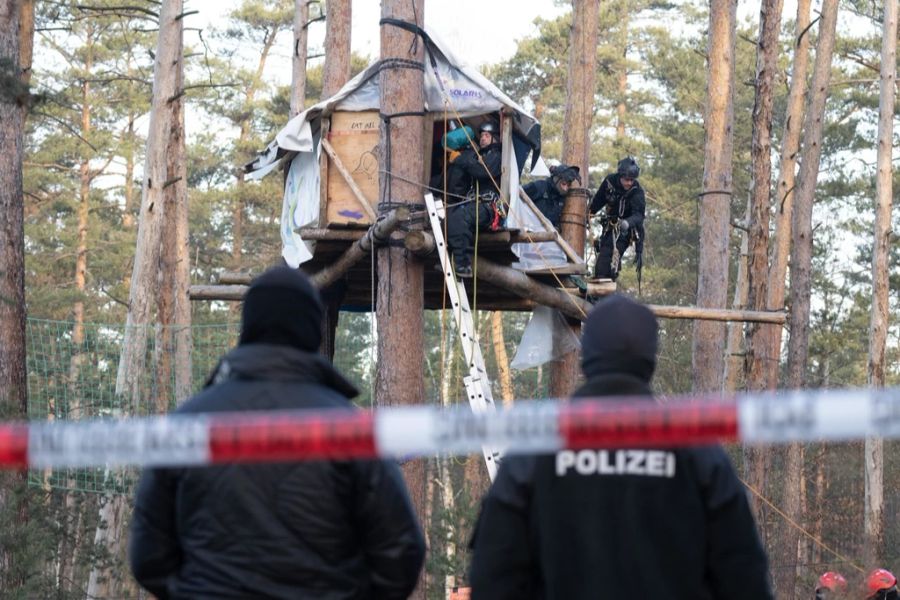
(534, 350)
(300, 207)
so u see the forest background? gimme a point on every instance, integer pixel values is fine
(85, 138)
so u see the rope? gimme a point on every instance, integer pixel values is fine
(399, 63)
(800, 528)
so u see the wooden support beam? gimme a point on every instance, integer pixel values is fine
(420, 243)
(235, 278)
(522, 285)
(357, 193)
(379, 232)
(218, 292)
(514, 236)
(570, 252)
(718, 314)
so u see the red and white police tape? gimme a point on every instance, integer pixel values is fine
(216, 438)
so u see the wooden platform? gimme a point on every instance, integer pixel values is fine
(495, 246)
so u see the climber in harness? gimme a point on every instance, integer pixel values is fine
(475, 174)
(620, 203)
(549, 195)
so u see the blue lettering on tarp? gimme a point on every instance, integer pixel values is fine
(350, 214)
(465, 93)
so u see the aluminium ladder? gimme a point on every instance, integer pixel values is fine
(478, 386)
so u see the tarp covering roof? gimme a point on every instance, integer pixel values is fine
(454, 91)
(451, 87)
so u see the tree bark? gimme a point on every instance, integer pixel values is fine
(400, 294)
(564, 371)
(879, 323)
(173, 346)
(801, 264)
(801, 257)
(16, 36)
(132, 363)
(336, 71)
(506, 386)
(715, 200)
(757, 364)
(237, 208)
(760, 188)
(784, 190)
(734, 344)
(298, 56)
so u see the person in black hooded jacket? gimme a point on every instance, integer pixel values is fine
(676, 524)
(620, 200)
(323, 529)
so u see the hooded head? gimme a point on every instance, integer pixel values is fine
(282, 307)
(620, 336)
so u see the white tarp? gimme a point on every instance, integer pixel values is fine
(451, 88)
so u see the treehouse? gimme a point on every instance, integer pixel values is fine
(329, 155)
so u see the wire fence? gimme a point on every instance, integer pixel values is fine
(72, 372)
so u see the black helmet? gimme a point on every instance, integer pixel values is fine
(628, 167)
(488, 127)
(564, 172)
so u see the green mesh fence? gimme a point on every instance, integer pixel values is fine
(72, 375)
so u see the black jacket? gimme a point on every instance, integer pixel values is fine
(547, 199)
(468, 172)
(288, 530)
(676, 525)
(620, 204)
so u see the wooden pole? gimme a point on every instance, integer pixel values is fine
(400, 378)
(708, 357)
(880, 321)
(379, 232)
(298, 58)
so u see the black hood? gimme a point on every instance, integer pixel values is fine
(282, 307)
(620, 336)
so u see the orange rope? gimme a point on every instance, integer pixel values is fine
(800, 528)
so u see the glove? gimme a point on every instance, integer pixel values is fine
(623, 227)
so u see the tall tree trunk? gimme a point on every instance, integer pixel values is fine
(448, 494)
(757, 360)
(506, 386)
(784, 190)
(801, 257)
(132, 363)
(298, 56)
(715, 200)
(67, 518)
(734, 344)
(16, 36)
(400, 294)
(564, 371)
(173, 346)
(878, 325)
(237, 206)
(337, 44)
(622, 85)
(761, 188)
(128, 190)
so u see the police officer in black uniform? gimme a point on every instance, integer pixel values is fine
(475, 175)
(550, 194)
(618, 523)
(621, 204)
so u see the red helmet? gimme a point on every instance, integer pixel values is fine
(880, 579)
(832, 581)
